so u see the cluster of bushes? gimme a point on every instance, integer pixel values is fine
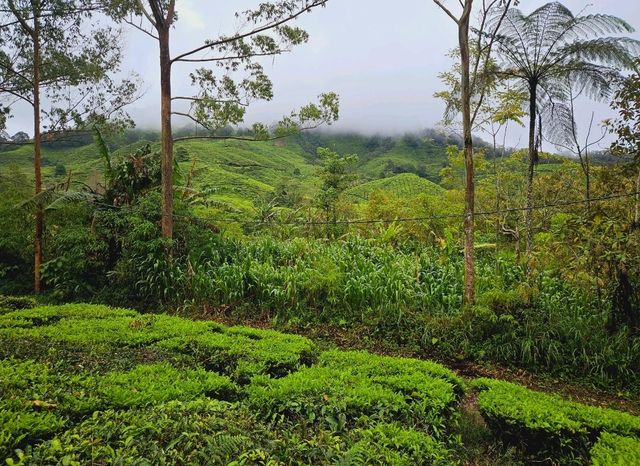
(161, 389)
(99, 337)
(345, 388)
(547, 426)
(556, 329)
(614, 450)
(12, 303)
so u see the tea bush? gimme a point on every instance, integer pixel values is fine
(12, 303)
(344, 395)
(242, 352)
(18, 427)
(386, 444)
(157, 389)
(364, 363)
(546, 424)
(158, 383)
(116, 338)
(194, 432)
(614, 450)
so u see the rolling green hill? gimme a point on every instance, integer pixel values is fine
(237, 175)
(405, 185)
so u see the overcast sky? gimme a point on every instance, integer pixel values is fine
(381, 57)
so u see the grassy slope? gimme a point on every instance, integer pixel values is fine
(404, 185)
(236, 175)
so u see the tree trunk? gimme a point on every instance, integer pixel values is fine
(166, 133)
(37, 156)
(533, 159)
(469, 189)
(637, 215)
(587, 181)
(497, 185)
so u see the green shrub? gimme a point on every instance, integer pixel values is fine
(158, 383)
(243, 352)
(503, 302)
(17, 427)
(614, 450)
(362, 362)
(92, 325)
(563, 332)
(29, 386)
(195, 432)
(12, 303)
(342, 395)
(45, 315)
(32, 404)
(88, 334)
(387, 444)
(547, 425)
(73, 269)
(24, 383)
(36, 401)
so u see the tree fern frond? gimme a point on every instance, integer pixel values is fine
(602, 24)
(559, 123)
(40, 200)
(73, 197)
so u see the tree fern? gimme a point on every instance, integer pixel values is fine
(551, 52)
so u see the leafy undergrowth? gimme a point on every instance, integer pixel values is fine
(84, 384)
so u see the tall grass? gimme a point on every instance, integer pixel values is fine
(350, 281)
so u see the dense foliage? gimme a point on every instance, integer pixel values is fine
(76, 372)
(392, 280)
(150, 402)
(409, 245)
(547, 425)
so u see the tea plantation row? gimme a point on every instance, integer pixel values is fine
(84, 384)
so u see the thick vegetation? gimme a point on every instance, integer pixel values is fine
(150, 402)
(548, 426)
(390, 279)
(489, 259)
(147, 384)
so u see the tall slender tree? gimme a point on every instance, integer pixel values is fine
(51, 58)
(473, 87)
(551, 51)
(222, 97)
